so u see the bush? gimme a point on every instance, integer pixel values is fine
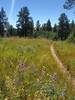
(71, 38)
(45, 34)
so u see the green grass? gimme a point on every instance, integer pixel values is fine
(66, 52)
(28, 71)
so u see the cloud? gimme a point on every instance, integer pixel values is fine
(12, 8)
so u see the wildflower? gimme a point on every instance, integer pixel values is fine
(63, 93)
(53, 77)
(22, 66)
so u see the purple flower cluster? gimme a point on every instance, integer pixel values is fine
(53, 77)
(22, 66)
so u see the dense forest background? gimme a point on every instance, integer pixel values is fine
(64, 29)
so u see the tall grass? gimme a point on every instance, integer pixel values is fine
(66, 52)
(29, 72)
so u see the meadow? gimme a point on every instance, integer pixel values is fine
(28, 71)
(66, 52)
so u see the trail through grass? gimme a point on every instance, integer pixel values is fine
(66, 52)
(28, 71)
(63, 68)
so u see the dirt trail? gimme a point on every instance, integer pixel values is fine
(61, 65)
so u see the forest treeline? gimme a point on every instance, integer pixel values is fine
(25, 27)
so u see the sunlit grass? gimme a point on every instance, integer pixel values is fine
(66, 52)
(28, 70)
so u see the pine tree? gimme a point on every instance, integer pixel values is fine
(55, 28)
(72, 24)
(3, 22)
(69, 4)
(31, 27)
(44, 27)
(37, 25)
(63, 30)
(23, 23)
(48, 25)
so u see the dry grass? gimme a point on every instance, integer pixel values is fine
(28, 71)
(66, 52)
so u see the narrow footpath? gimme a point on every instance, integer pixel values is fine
(61, 65)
